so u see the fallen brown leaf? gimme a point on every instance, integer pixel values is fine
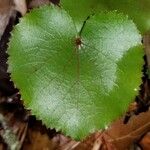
(8, 9)
(37, 3)
(118, 136)
(145, 142)
(21, 6)
(123, 135)
(16, 125)
(37, 141)
(6, 12)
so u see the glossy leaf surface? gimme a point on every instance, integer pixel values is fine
(76, 83)
(138, 10)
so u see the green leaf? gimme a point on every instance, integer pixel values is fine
(81, 9)
(76, 82)
(138, 10)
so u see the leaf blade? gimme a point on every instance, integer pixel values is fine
(59, 80)
(138, 10)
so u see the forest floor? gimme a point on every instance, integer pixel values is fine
(20, 130)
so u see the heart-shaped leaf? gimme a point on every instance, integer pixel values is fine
(76, 82)
(138, 10)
